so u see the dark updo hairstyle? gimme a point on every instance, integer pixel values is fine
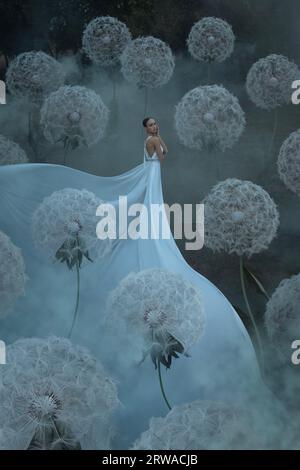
(146, 120)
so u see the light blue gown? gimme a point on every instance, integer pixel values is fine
(221, 366)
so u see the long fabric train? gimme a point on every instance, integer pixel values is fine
(221, 366)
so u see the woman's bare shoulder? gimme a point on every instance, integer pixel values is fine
(153, 139)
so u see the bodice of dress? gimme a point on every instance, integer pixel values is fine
(147, 157)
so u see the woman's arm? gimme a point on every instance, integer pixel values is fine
(155, 141)
(165, 149)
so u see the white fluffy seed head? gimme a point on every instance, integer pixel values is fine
(12, 274)
(49, 384)
(154, 303)
(62, 215)
(201, 425)
(209, 117)
(34, 75)
(240, 218)
(282, 319)
(288, 162)
(74, 112)
(147, 62)
(211, 39)
(269, 81)
(10, 152)
(104, 40)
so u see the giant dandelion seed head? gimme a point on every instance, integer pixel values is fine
(104, 40)
(12, 274)
(282, 316)
(43, 404)
(11, 152)
(211, 39)
(147, 62)
(34, 75)
(200, 425)
(75, 114)
(269, 81)
(65, 223)
(209, 117)
(240, 218)
(288, 162)
(157, 309)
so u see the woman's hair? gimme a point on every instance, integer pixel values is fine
(146, 120)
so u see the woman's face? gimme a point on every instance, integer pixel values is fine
(151, 126)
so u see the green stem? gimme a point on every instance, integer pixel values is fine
(77, 300)
(249, 308)
(162, 387)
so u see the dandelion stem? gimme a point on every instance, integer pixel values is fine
(30, 136)
(77, 299)
(56, 429)
(208, 73)
(114, 89)
(162, 387)
(66, 152)
(146, 101)
(249, 308)
(217, 165)
(275, 123)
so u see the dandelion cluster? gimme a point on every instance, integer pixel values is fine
(209, 117)
(200, 425)
(282, 316)
(74, 114)
(211, 39)
(269, 81)
(147, 62)
(64, 225)
(104, 40)
(12, 274)
(157, 310)
(55, 395)
(34, 75)
(289, 162)
(240, 217)
(11, 152)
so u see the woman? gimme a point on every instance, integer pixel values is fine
(155, 148)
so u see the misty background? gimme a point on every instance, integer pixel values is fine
(261, 27)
